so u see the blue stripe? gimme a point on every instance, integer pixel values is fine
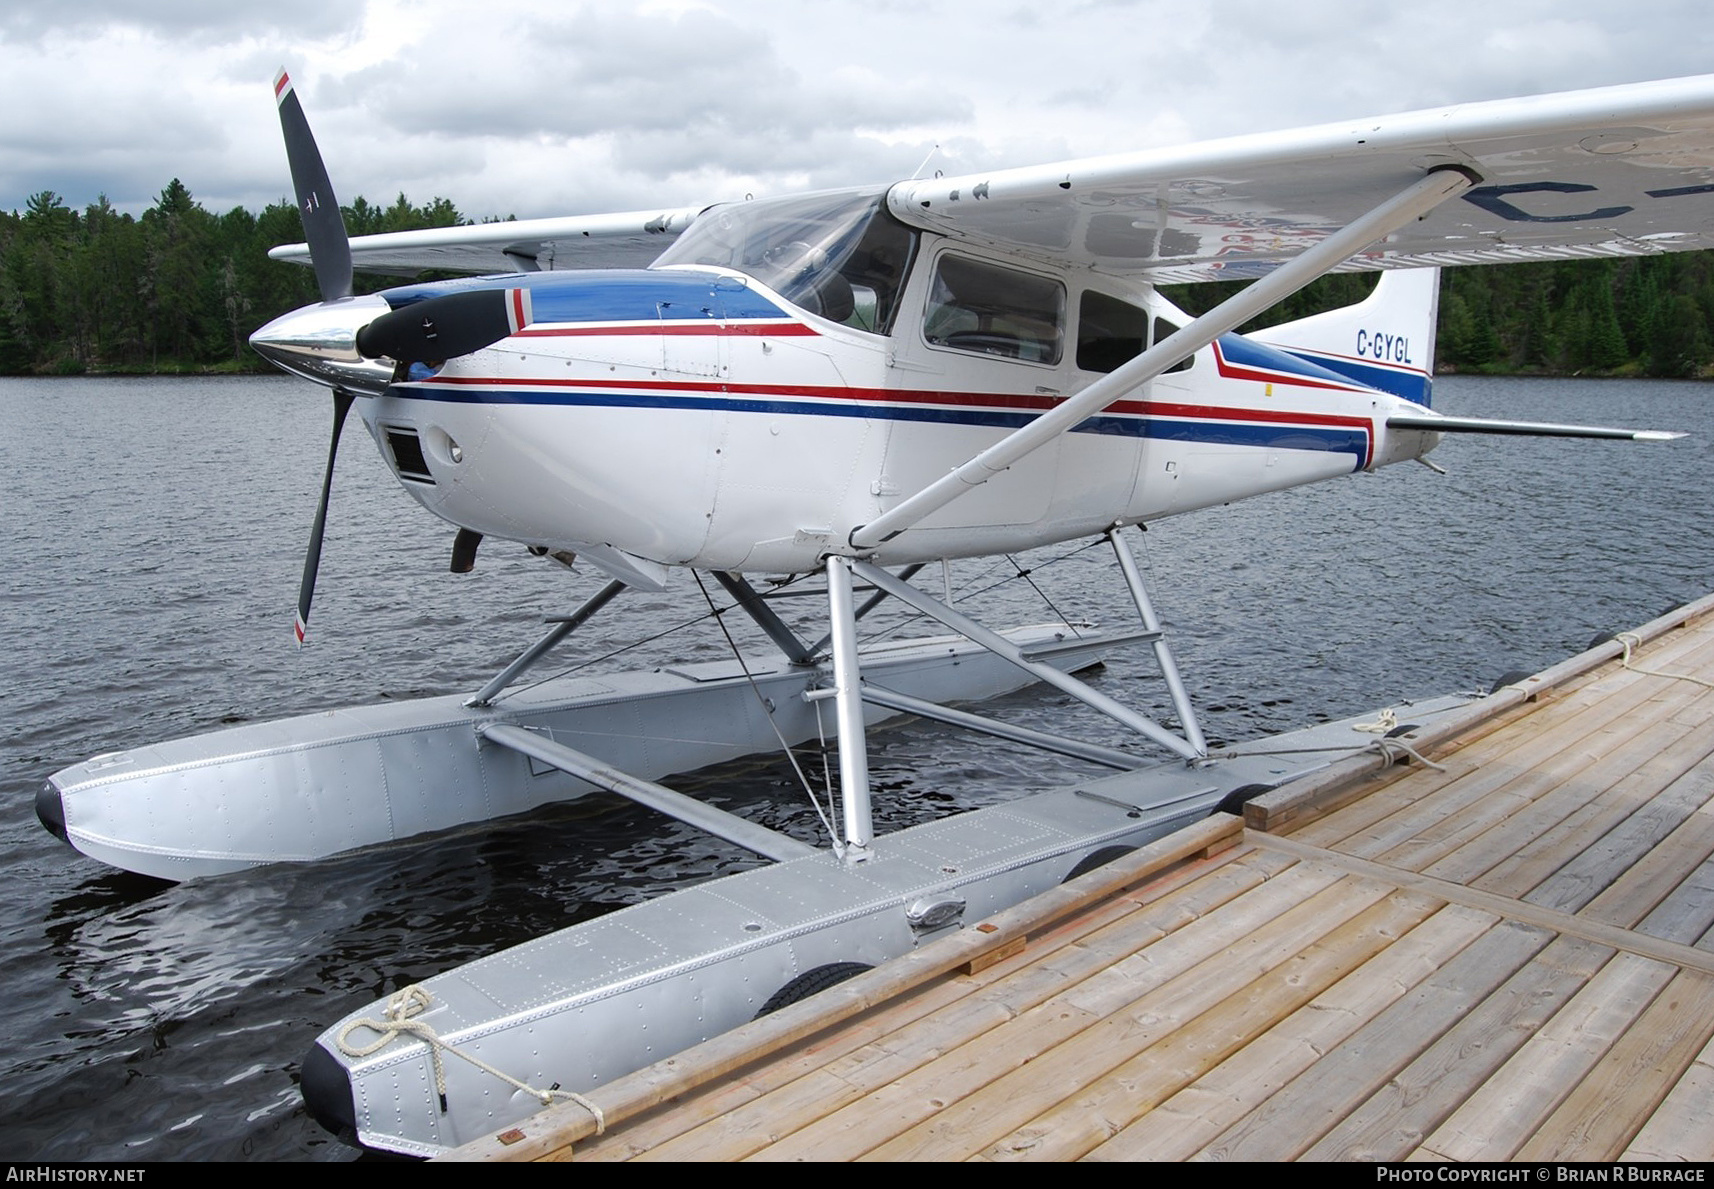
(1243, 352)
(1413, 386)
(612, 295)
(1225, 433)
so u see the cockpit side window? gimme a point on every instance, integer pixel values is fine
(993, 310)
(876, 272)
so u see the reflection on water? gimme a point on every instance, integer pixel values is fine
(157, 527)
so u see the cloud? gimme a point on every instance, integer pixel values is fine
(534, 108)
(199, 22)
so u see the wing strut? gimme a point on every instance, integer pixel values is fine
(1408, 205)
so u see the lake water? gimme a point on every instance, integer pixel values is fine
(156, 530)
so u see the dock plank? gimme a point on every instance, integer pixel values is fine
(1492, 1123)
(1306, 1108)
(1197, 1113)
(1598, 1119)
(1682, 1127)
(1391, 1121)
(1076, 1123)
(1631, 871)
(1584, 765)
(1664, 785)
(1666, 749)
(1549, 747)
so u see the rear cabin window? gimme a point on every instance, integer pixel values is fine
(1165, 329)
(1111, 332)
(991, 310)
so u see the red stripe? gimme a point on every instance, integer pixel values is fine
(280, 84)
(991, 400)
(518, 320)
(1233, 371)
(1366, 362)
(769, 329)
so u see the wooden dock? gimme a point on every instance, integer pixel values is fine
(1510, 957)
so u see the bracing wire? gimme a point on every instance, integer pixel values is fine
(719, 617)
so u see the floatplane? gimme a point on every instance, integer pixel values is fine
(842, 388)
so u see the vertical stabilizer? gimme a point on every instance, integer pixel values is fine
(1385, 341)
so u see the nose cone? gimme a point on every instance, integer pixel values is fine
(319, 343)
(327, 1094)
(50, 810)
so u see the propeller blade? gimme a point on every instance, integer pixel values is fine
(445, 327)
(312, 559)
(324, 226)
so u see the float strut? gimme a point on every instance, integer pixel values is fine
(752, 604)
(1163, 654)
(534, 652)
(1006, 650)
(768, 843)
(848, 702)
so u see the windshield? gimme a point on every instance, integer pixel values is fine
(841, 256)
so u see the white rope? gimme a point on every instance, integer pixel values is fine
(398, 1019)
(1631, 640)
(1392, 749)
(1387, 721)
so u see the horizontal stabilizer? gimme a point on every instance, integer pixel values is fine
(1539, 429)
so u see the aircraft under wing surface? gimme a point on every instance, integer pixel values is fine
(629, 240)
(1625, 170)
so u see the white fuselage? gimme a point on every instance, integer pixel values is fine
(694, 417)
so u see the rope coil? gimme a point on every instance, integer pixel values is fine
(1387, 720)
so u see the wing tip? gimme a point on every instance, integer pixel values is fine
(282, 85)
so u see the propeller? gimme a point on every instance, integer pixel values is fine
(330, 252)
(427, 331)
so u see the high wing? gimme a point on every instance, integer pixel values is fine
(628, 240)
(1615, 171)
(1625, 170)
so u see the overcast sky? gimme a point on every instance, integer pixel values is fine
(559, 108)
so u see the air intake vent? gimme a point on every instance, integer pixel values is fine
(408, 457)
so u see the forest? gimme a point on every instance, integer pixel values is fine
(180, 288)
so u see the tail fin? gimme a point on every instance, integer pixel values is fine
(1385, 341)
